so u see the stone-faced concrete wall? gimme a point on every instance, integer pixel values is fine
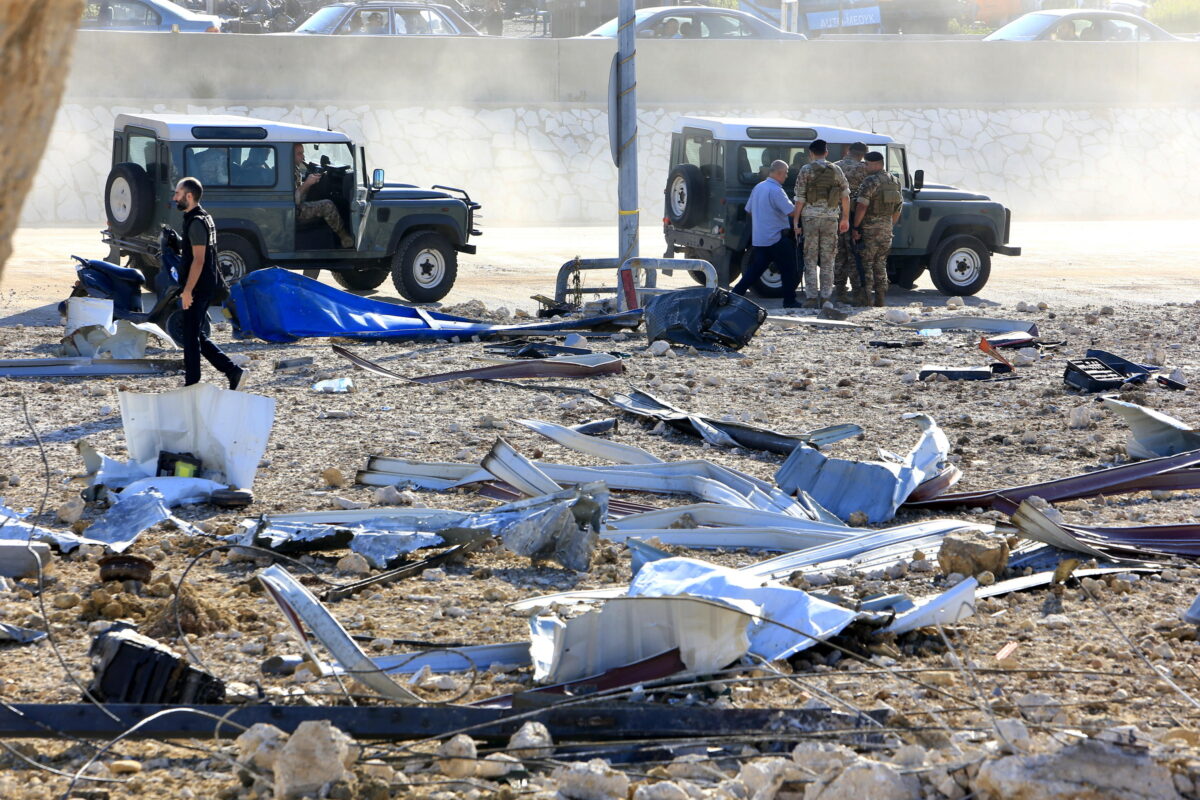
(1047, 148)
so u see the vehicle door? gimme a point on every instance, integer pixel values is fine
(721, 26)
(246, 187)
(708, 155)
(896, 163)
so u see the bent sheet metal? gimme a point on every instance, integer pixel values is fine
(876, 488)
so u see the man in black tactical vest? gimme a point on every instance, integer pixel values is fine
(201, 281)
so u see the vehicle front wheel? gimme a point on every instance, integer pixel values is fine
(424, 267)
(236, 257)
(960, 265)
(359, 280)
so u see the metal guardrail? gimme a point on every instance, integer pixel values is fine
(649, 267)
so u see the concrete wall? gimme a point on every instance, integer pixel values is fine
(1058, 130)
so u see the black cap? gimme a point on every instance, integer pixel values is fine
(874, 157)
(858, 147)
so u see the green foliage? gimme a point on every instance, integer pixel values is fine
(1177, 16)
(725, 4)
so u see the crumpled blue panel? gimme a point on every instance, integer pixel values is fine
(282, 306)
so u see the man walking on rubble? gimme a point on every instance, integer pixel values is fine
(769, 209)
(855, 169)
(198, 273)
(823, 205)
(877, 210)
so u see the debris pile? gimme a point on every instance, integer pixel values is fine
(614, 566)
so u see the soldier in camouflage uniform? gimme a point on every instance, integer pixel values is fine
(823, 205)
(323, 209)
(853, 167)
(877, 210)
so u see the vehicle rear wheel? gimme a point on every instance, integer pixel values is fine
(424, 267)
(128, 199)
(960, 265)
(771, 282)
(687, 196)
(236, 257)
(360, 280)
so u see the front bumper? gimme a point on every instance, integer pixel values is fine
(1006, 250)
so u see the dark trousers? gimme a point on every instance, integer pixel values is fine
(783, 253)
(195, 343)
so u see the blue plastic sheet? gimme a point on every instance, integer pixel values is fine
(282, 306)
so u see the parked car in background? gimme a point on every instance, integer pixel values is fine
(694, 22)
(145, 15)
(375, 18)
(1079, 25)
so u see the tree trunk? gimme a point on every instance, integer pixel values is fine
(35, 54)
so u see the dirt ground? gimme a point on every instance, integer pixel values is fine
(1080, 263)
(1073, 665)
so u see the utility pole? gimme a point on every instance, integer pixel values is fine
(627, 165)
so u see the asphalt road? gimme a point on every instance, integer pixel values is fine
(1067, 264)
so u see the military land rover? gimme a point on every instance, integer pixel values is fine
(716, 162)
(247, 169)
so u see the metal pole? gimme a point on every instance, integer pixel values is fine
(627, 169)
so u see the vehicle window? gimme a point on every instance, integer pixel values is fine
(417, 22)
(1025, 28)
(325, 20)
(697, 149)
(329, 154)
(142, 151)
(210, 165)
(119, 13)
(1088, 30)
(366, 21)
(723, 26)
(437, 24)
(895, 163)
(1118, 30)
(252, 166)
(671, 26)
(755, 159)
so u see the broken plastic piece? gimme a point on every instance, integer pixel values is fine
(1092, 375)
(600, 448)
(131, 668)
(985, 373)
(20, 559)
(15, 633)
(984, 324)
(704, 318)
(227, 430)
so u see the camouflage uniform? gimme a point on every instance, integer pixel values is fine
(843, 267)
(320, 209)
(880, 193)
(821, 187)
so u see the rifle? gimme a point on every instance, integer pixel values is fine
(856, 250)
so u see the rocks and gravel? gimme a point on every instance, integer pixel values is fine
(1025, 699)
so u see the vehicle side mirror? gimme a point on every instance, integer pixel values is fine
(377, 180)
(918, 180)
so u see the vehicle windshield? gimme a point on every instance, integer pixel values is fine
(610, 28)
(323, 21)
(1023, 29)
